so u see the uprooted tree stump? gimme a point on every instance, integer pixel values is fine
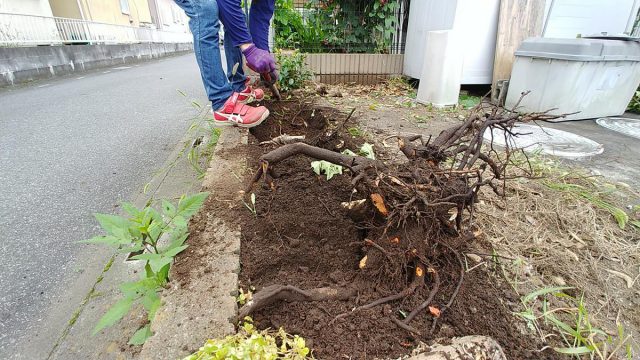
(415, 211)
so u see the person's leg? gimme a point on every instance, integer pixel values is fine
(233, 54)
(259, 21)
(204, 25)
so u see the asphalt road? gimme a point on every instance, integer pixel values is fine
(71, 147)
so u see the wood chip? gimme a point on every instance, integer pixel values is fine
(378, 202)
(363, 263)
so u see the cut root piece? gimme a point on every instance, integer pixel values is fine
(274, 293)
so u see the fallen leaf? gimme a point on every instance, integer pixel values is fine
(395, 240)
(363, 262)
(434, 311)
(378, 202)
(454, 214)
(626, 277)
(477, 259)
(419, 272)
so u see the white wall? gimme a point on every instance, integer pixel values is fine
(172, 17)
(568, 18)
(28, 7)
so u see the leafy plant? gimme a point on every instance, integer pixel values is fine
(572, 324)
(250, 343)
(294, 73)
(251, 207)
(468, 101)
(196, 156)
(141, 233)
(634, 105)
(343, 26)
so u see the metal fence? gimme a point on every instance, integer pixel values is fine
(30, 30)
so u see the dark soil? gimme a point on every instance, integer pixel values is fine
(302, 236)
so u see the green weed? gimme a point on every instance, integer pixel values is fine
(573, 324)
(468, 101)
(252, 206)
(140, 232)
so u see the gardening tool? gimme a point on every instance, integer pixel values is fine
(269, 80)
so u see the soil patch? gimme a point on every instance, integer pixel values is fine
(302, 236)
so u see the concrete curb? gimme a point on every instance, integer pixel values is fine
(23, 64)
(206, 307)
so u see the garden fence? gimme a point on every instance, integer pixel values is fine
(345, 41)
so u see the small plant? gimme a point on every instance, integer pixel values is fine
(251, 343)
(355, 132)
(634, 105)
(573, 324)
(243, 297)
(468, 101)
(141, 233)
(294, 73)
(252, 206)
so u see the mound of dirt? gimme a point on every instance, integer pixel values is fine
(301, 235)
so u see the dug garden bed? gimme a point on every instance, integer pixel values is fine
(343, 282)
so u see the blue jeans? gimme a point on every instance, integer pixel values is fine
(205, 25)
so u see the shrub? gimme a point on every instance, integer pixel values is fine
(293, 70)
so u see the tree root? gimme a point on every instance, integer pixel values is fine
(273, 293)
(418, 281)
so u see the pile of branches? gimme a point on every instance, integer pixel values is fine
(409, 208)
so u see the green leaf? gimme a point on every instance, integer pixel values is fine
(115, 313)
(348, 152)
(113, 224)
(146, 256)
(168, 208)
(175, 251)
(367, 150)
(106, 239)
(177, 240)
(130, 209)
(188, 206)
(159, 263)
(163, 275)
(141, 335)
(574, 350)
(544, 291)
(151, 303)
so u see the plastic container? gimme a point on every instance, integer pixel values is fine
(591, 77)
(442, 69)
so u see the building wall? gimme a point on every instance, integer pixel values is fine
(27, 7)
(107, 11)
(170, 16)
(65, 9)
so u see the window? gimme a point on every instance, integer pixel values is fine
(124, 7)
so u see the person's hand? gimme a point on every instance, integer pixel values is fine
(258, 60)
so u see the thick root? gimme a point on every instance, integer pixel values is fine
(273, 293)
